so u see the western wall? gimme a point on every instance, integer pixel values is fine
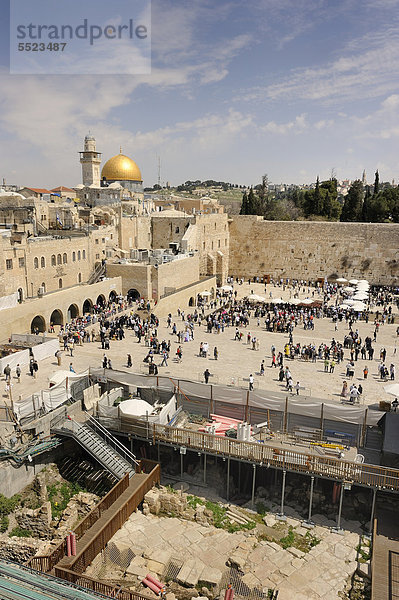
(312, 250)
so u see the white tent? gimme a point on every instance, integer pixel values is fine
(136, 407)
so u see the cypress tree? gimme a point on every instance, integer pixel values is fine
(376, 183)
(244, 204)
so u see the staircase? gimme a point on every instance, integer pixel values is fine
(101, 445)
(98, 272)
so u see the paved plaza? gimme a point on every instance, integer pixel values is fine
(236, 360)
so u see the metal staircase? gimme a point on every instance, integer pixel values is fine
(98, 272)
(101, 444)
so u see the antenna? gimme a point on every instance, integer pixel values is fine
(159, 170)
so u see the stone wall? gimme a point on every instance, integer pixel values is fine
(311, 250)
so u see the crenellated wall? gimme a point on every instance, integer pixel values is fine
(311, 250)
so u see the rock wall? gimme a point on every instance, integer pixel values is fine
(312, 250)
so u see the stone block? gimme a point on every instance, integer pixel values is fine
(211, 576)
(190, 572)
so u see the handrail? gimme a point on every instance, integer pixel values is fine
(262, 454)
(113, 439)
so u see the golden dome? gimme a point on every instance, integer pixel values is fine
(121, 168)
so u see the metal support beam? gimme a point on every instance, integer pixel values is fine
(181, 466)
(228, 478)
(159, 452)
(309, 522)
(239, 475)
(281, 515)
(372, 511)
(253, 486)
(204, 467)
(338, 529)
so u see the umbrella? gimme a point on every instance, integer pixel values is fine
(359, 306)
(226, 288)
(349, 302)
(354, 281)
(392, 389)
(295, 301)
(205, 294)
(277, 301)
(363, 281)
(362, 286)
(360, 296)
(341, 280)
(307, 301)
(256, 298)
(349, 290)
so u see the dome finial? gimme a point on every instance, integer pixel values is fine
(120, 149)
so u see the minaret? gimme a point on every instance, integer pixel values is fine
(364, 180)
(90, 160)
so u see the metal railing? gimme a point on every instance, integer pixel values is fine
(100, 587)
(266, 455)
(111, 440)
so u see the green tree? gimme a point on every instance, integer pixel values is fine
(244, 204)
(376, 183)
(252, 203)
(366, 205)
(352, 209)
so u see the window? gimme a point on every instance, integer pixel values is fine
(53, 263)
(215, 224)
(84, 254)
(203, 245)
(112, 236)
(73, 256)
(97, 256)
(218, 243)
(97, 240)
(59, 259)
(79, 277)
(177, 230)
(64, 258)
(212, 245)
(44, 287)
(9, 264)
(60, 283)
(36, 262)
(42, 262)
(78, 254)
(225, 242)
(21, 262)
(103, 240)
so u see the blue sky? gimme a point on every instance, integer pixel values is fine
(291, 88)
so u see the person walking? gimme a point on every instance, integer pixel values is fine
(215, 353)
(35, 367)
(129, 361)
(262, 367)
(206, 375)
(7, 372)
(72, 370)
(164, 362)
(18, 373)
(251, 382)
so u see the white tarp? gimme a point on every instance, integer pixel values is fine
(21, 358)
(46, 349)
(9, 301)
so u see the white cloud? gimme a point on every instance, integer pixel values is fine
(298, 125)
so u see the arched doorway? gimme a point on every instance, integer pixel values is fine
(191, 302)
(112, 296)
(38, 325)
(87, 306)
(101, 300)
(72, 312)
(133, 294)
(57, 317)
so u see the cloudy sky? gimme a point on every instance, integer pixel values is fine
(291, 88)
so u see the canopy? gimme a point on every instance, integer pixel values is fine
(277, 301)
(341, 280)
(362, 286)
(256, 298)
(354, 281)
(349, 290)
(60, 376)
(295, 301)
(307, 301)
(205, 294)
(226, 288)
(360, 296)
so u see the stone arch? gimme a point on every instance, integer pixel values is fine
(72, 312)
(87, 306)
(60, 283)
(191, 302)
(112, 296)
(100, 300)
(57, 318)
(133, 294)
(38, 323)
